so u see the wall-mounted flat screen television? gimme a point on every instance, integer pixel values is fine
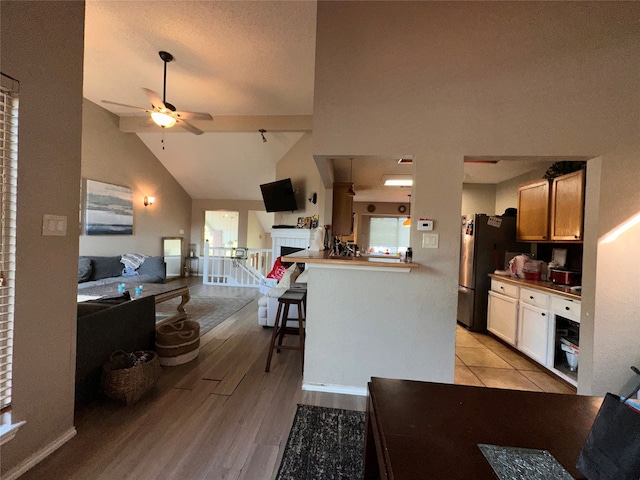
(279, 196)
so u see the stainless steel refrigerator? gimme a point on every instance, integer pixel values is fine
(484, 241)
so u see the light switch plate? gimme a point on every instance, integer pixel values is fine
(54, 225)
(430, 240)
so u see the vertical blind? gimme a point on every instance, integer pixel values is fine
(8, 183)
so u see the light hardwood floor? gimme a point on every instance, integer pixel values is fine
(222, 417)
(217, 417)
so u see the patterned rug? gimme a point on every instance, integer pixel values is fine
(324, 444)
(208, 311)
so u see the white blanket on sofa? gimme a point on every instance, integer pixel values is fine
(133, 260)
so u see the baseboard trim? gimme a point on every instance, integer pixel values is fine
(40, 455)
(342, 389)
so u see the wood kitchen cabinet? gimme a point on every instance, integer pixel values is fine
(342, 213)
(532, 223)
(551, 212)
(567, 207)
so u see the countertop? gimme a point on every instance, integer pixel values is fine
(364, 261)
(548, 287)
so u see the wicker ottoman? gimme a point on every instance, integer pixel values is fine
(177, 343)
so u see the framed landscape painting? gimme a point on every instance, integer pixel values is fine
(108, 209)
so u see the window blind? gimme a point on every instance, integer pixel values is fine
(8, 183)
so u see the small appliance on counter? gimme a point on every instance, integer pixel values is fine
(564, 276)
(558, 273)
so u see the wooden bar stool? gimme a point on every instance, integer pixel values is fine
(290, 297)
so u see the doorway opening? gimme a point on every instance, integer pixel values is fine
(221, 228)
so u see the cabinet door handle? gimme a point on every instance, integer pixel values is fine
(567, 308)
(530, 298)
(543, 314)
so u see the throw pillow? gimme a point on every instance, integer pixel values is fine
(278, 270)
(302, 278)
(84, 269)
(289, 276)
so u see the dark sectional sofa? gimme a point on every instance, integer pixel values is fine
(95, 270)
(107, 326)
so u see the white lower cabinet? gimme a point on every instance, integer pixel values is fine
(502, 317)
(528, 319)
(533, 332)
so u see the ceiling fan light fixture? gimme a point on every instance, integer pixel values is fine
(163, 120)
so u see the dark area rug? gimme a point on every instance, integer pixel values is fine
(324, 444)
(208, 311)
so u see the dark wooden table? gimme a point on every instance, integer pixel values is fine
(430, 430)
(160, 291)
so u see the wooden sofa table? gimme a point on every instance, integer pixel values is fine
(160, 291)
(432, 430)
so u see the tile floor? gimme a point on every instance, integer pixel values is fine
(484, 361)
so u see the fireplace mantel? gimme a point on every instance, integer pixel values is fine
(291, 237)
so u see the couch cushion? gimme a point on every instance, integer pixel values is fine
(289, 276)
(104, 267)
(85, 269)
(302, 278)
(153, 267)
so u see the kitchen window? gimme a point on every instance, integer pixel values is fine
(388, 236)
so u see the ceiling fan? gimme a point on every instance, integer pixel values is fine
(164, 114)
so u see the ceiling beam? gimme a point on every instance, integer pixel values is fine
(239, 123)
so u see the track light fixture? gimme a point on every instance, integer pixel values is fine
(262, 132)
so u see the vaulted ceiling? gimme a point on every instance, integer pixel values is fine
(250, 64)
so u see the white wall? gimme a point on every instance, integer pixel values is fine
(42, 47)
(479, 78)
(479, 198)
(110, 156)
(298, 164)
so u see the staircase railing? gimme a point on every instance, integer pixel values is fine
(237, 267)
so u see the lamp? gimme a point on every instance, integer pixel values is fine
(163, 120)
(262, 132)
(351, 192)
(149, 201)
(407, 222)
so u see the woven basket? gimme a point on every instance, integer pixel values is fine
(177, 343)
(129, 384)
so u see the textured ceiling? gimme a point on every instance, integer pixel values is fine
(250, 64)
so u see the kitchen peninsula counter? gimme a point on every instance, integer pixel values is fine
(548, 287)
(323, 258)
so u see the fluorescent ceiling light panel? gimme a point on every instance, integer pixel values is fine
(398, 182)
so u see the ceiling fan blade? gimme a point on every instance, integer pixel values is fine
(187, 126)
(192, 116)
(124, 105)
(155, 100)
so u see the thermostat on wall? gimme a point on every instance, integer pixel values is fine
(425, 224)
